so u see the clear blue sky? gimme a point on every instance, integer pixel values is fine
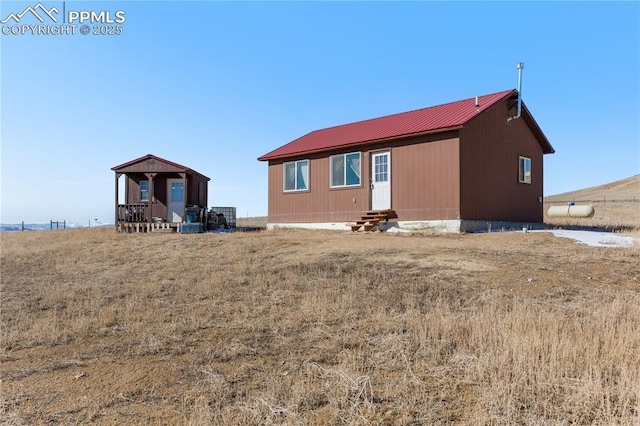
(214, 85)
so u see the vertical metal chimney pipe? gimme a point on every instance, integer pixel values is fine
(520, 67)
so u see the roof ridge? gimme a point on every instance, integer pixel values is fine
(163, 160)
(428, 119)
(410, 111)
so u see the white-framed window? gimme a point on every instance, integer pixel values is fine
(344, 170)
(296, 175)
(381, 168)
(144, 190)
(524, 169)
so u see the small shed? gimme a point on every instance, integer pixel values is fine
(461, 166)
(156, 193)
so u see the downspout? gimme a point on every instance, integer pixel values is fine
(519, 110)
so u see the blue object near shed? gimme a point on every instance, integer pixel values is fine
(193, 214)
(191, 228)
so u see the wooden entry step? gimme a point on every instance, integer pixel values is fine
(370, 219)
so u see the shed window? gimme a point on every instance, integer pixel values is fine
(296, 175)
(144, 190)
(345, 170)
(524, 170)
(177, 192)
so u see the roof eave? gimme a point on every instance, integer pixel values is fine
(268, 157)
(128, 163)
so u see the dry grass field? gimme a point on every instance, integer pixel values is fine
(313, 327)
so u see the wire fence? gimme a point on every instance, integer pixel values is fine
(597, 200)
(53, 224)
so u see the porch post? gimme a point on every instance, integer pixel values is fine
(186, 193)
(116, 204)
(150, 177)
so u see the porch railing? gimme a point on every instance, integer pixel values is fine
(132, 213)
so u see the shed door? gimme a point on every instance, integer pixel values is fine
(381, 181)
(175, 205)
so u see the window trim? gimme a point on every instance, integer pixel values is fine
(141, 190)
(295, 180)
(345, 185)
(522, 174)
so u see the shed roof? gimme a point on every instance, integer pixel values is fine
(180, 167)
(426, 120)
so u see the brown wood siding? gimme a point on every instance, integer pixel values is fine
(159, 200)
(150, 166)
(320, 203)
(425, 180)
(160, 197)
(489, 151)
(196, 191)
(132, 190)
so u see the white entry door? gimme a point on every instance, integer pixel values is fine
(381, 181)
(175, 203)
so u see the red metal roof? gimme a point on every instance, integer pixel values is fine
(431, 119)
(151, 156)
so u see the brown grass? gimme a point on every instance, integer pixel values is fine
(297, 327)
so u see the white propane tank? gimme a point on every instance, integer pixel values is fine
(571, 210)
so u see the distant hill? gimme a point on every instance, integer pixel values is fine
(15, 227)
(617, 205)
(622, 190)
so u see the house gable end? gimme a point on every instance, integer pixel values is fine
(153, 164)
(526, 116)
(490, 148)
(537, 131)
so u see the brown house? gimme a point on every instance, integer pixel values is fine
(460, 166)
(156, 193)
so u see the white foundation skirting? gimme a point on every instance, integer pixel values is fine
(444, 226)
